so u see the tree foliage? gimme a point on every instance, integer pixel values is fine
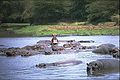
(101, 11)
(78, 10)
(49, 11)
(11, 11)
(46, 11)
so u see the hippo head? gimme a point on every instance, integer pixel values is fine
(42, 65)
(93, 68)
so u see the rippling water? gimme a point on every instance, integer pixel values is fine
(24, 67)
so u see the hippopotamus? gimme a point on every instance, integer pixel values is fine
(57, 48)
(89, 41)
(102, 66)
(71, 44)
(61, 63)
(104, 49)
(115, 53)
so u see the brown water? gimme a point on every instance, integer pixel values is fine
(24, 67)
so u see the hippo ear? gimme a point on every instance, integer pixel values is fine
(87, 64)
(95, 64)
(44, 65)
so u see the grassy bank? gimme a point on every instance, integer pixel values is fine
(60, 29)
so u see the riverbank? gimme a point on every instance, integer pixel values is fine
(60, 29)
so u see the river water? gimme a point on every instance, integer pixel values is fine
(24, 67)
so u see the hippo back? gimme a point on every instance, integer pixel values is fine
(109, 63)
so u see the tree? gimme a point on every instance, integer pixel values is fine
(27, 13)
(101, 11)
(11, 11)
(78, 10)
(48, 11)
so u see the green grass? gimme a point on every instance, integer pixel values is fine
(43, 30)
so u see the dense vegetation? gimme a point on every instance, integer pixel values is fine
(52, 11)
